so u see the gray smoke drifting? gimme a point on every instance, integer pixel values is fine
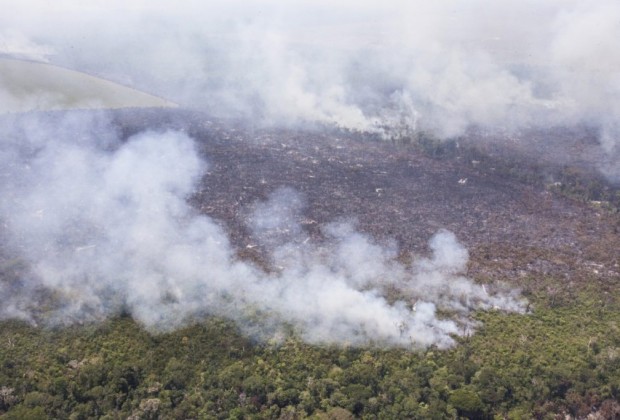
(104, 227)
(390, 67)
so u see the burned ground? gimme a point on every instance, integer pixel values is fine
(518, 227)
(523, 232)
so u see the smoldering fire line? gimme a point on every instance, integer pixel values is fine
(105, 226)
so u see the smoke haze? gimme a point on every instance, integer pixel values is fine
(443, 65)
(105, 227)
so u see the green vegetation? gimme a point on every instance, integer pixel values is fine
(561, 358)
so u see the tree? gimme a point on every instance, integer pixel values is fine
(467, 403)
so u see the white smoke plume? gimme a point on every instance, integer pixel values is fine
(105, 228)
(389, 67)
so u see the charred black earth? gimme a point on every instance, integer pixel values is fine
(520, 224)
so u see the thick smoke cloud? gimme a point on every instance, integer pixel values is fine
(388, 67)
(104, 227)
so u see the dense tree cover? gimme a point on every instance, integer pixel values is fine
(560, 359)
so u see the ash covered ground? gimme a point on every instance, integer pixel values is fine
(501, 202)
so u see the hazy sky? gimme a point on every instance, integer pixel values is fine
(439, 65)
